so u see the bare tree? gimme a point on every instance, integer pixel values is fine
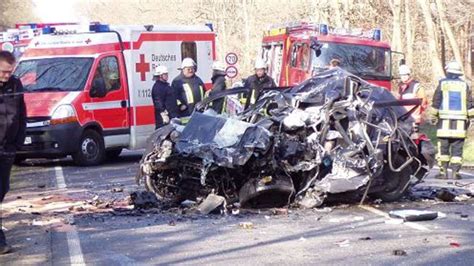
(446, 27)
(409, 32)
(436, 65)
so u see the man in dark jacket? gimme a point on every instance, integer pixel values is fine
(218, 85)
(165, 98)
(189, 86)
(257, 82)
(12, 126)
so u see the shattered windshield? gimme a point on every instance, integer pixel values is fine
(54, 74)
(367, 62)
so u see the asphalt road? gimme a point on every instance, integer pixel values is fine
(60, 214)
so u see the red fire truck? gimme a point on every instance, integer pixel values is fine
(88, 94)
(287, 50)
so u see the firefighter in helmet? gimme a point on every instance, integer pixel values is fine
(218, 85)
(189, 85)
(410, 88)
(452, 107)
(257, 82)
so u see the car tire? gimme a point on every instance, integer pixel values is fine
(91, 150)
(395, 188)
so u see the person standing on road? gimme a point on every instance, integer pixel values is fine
(165, 99)
(410, 88)
(218, 85)
(12, 127)
(189, 86)
(452, 107)
(257, 82)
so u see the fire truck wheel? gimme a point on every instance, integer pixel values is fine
(91, 149)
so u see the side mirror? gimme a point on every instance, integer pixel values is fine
(98, 90)
(316, 46)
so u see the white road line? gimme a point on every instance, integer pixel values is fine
(384, 214)
(60, 182)
(74, 244)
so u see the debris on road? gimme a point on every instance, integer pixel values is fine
(334, 134)
(213, 203)
(455, 244)
(413, 215)
(399, 252)
(143, 200)
(117, 189)
(246, 225)
(445, 195)
(343, 243)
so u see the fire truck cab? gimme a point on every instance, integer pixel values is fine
(291, 60)
(88, 91)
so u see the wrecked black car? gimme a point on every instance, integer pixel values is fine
(334, 135)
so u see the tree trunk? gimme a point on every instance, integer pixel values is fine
(409, 32)
(436, 65)
(337, 13)
(448, 32)
(396, 33)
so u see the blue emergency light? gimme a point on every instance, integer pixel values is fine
(48, 30)
(377, 34)
(323, 29)
(99, 28)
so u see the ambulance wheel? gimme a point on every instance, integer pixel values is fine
(91, 149)
(113, 153)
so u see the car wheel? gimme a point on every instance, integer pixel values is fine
(91, 149)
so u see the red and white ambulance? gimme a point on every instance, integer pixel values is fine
(88, 94)
(287, 50)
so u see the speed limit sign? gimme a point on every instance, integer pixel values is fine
(231, 59)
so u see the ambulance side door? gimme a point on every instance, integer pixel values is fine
(109, 96)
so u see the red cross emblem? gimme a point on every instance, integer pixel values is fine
(142, 67)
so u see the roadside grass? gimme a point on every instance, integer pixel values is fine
(468, 152)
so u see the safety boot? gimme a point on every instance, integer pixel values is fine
(456, 174)
(443, 172)
(456, 171)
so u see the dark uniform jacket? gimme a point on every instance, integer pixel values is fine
(256, 86)
(12, 116)
(218, 85)
(190, 91)
(164, 98)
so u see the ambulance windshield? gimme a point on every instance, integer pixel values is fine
(368, 62)
(54, 74)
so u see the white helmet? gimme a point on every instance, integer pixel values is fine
(259, 63)
(404, 70)
(188, 62)
(217, 65)
(160, 70)
(453, 68)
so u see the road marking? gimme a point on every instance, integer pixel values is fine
(74, 244)
(385, 215)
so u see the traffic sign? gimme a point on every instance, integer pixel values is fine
(231, 72)
(231, 59)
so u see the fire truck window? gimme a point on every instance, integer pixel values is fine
(294, 55)
(305, 54)
(189, 49)
(108, 74)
